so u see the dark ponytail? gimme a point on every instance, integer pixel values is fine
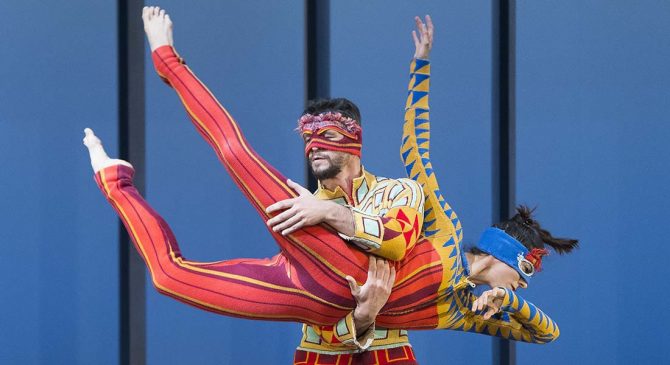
(528, 231)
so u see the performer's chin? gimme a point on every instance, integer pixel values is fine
(324, 169)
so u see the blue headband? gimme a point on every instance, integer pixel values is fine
(505, 248)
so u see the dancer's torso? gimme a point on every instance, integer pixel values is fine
(431, 287)
(375, 196)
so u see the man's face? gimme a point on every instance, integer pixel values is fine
(327, 164)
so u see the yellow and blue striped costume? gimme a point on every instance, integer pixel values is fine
(520, 319)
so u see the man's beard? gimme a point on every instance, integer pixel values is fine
(334, 167)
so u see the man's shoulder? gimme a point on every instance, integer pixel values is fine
(382, 182)
(379, 178)
(398, 181)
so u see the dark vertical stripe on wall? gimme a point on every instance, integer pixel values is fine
(132, 342)
(504, 134)
(317, 52)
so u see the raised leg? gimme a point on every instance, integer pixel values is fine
(320, 250)
(249, 288)
(320, 257)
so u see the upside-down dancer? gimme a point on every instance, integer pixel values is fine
(307, 282)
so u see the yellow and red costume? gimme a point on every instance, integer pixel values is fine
(306, 282)
(373, 198)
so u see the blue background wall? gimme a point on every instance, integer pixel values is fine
(593, 109)
(592, 117)
(59, 301)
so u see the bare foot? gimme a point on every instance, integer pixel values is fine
(157, 26)
(99, 158)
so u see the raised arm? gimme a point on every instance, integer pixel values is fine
(439, 218)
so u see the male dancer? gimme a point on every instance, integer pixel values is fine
(306, 281)
(322, 344)
(384, 216)
(380, 215)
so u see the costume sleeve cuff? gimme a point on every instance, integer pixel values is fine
(345, 330)
(419, 84)
(368, 231)
(510, 302)
(420, 65)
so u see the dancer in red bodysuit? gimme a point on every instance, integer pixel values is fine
(307, 282)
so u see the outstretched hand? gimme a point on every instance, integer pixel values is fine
(423, 37)
(372, 296)
(491, 300)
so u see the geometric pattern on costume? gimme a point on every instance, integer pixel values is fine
(387, 215)
(415, 154)
(519, 319)
(403, 355)
(305, 282)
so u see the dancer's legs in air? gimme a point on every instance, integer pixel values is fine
(305, 283)
(260, 182)
(249, 288)
(321, 254)
(326, 260)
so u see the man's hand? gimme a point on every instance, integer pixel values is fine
(423, 42)
(490, 300)
(372, 296)
(301, 211)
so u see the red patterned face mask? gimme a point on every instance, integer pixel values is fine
(314, 130)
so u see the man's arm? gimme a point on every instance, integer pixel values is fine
(390, 234)
(372, 296)
(306, 210)
(356, 331)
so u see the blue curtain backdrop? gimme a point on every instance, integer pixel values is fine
(592, 127)
(59, 278)
(592, 106)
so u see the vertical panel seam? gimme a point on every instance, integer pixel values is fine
(132, 301)
(317, 65)
(504, 134)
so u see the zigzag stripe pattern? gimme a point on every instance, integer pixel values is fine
(520, 320)
(415, 154)
(441, 224)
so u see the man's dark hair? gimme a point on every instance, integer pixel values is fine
(528, 231)
(340, 105)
